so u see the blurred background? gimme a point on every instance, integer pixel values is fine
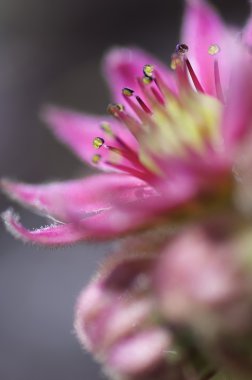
(50, 52)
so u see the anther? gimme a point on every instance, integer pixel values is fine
(115, 109)
(96, 159)
(147, 80)
(127, 92)
(98, 142)
(213, 49)
(148, 71)
(182, 49)
(107, 128)
(175, 61)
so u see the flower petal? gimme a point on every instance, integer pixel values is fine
(134, 355)
(237, 116)
(122, 67)
(82, 198)
(202, 27)
(247, 34)
(78, 131)
(53, 235)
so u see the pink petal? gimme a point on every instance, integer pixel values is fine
(237, 116)
(198, 275)
(129, 211)
(78, 131)
(202, 27)
(122, 67)
(53, 235)
(139, 353)
(247, 34)
(81, 198)
(106, 225)
(128, 217)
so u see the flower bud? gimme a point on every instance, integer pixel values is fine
(204, 288)
(117, 320)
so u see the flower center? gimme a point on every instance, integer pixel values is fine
(166, 123)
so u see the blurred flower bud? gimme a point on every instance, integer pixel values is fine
(205, 288)
(117, 320)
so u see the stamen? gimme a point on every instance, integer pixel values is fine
(143, 111)
(218, 85)
(164, 89)
(147, 80)
(123, 152)
(149, 76)
(148, 71)
(175, 62)
(98, 142)
(127, 92)
(178, 65)
(115, 109)
(105, 126)
(181, 56)
(130, 155)
(143, 105)
(123, 144)
(96, 159)
(182, 49)
(194, 77)
(127, 169)
(213, 49)
(118, 111)
(158, 96)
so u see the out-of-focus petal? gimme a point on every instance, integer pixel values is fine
(78, 131)
(237, 116)
(81, 198)
(139, 353)
(202, 28)
(197, 275)
(122, 67)
(247, 33)
(53, 235)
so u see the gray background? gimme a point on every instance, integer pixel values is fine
(50, 51)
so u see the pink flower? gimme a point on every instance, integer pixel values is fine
(168, 146)
(176, 151)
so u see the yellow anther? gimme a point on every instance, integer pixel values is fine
(107, 128)
(96, 159)
(213, 49)
(98, 142)
(147, 80)
(148, 70)
(175, 61)
(127, 91)
(115, 109)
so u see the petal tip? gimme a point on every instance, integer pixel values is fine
(10, 188)
(49, 113)
(11, 222)
(117, 56)
(4, 185)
